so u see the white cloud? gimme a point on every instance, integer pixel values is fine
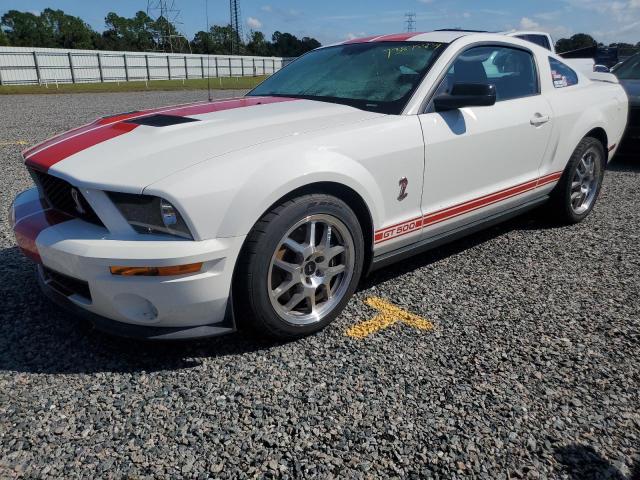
(425, 1)
(549, 16)
(527, 24)
(466, 15)
(622, 18)
(352, 36)
(254, 23)
(267, 8)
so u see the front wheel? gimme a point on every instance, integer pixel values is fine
(300, 265)
(577, 191)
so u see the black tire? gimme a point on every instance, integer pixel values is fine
(254, 309)
(561, 197)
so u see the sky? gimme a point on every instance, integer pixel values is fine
(331, 21)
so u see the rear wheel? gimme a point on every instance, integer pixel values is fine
(299, 267)
(577, 191)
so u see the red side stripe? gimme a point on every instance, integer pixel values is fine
(50, 152)
(409, 226)
(28, 228)
(447, 213)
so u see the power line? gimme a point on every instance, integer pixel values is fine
(166, 16)
(410, 21)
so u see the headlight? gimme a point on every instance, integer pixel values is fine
(148, 214)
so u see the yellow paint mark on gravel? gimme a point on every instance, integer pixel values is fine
(389, 315)
(14, 142)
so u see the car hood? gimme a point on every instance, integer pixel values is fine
(130, 151)
(633, 91)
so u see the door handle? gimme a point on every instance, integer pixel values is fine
(539, 119)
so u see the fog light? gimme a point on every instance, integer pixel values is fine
(156, 271)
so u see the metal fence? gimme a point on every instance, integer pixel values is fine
(44, 65)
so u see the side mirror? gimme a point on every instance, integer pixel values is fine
(601, 69)
(466, 95)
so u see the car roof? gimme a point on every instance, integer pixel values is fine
(439, 36)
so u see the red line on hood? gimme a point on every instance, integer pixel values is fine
(47, 154)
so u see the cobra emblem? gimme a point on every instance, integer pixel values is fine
(76, 199)
(403, 188)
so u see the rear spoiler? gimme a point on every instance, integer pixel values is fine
(603, 77)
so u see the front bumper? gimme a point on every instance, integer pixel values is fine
(183, 306)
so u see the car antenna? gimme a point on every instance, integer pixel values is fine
(208, 39)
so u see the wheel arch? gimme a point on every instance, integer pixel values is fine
(348, 195)
(600, 134)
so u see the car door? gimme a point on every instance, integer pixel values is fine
(483, 160)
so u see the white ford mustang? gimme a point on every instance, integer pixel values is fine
(266, 210)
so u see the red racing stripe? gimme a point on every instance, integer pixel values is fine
(360, 40)
(50, 152)
(397, 37)
(45, 159)
(28, 228)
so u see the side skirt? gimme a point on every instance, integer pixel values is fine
(422, 246)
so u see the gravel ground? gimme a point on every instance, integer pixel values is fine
(531, 370)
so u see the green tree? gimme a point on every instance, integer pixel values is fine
(258, 45)
(621, 45)
(201, 42)
(288, 45)
(3, 38)
(68, 31)
(577, 41)
(167, 37)
(133, 34)
(24, 29)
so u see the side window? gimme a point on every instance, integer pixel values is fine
(541, 40)
(562, 75)
(511, 70)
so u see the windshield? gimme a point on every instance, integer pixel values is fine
(376, 76)
(629, 70)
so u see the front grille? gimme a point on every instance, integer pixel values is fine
(66, 285)
(59, 194)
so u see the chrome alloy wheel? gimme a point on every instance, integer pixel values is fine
(584, 185)
(311, 269)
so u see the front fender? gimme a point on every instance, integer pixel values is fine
(277, 179)
(225, 196)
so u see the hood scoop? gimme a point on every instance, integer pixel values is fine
(160, 120)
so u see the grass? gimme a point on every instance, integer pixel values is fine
(220, 83)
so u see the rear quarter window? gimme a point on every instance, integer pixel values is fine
(540, 40)
(562, 75)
